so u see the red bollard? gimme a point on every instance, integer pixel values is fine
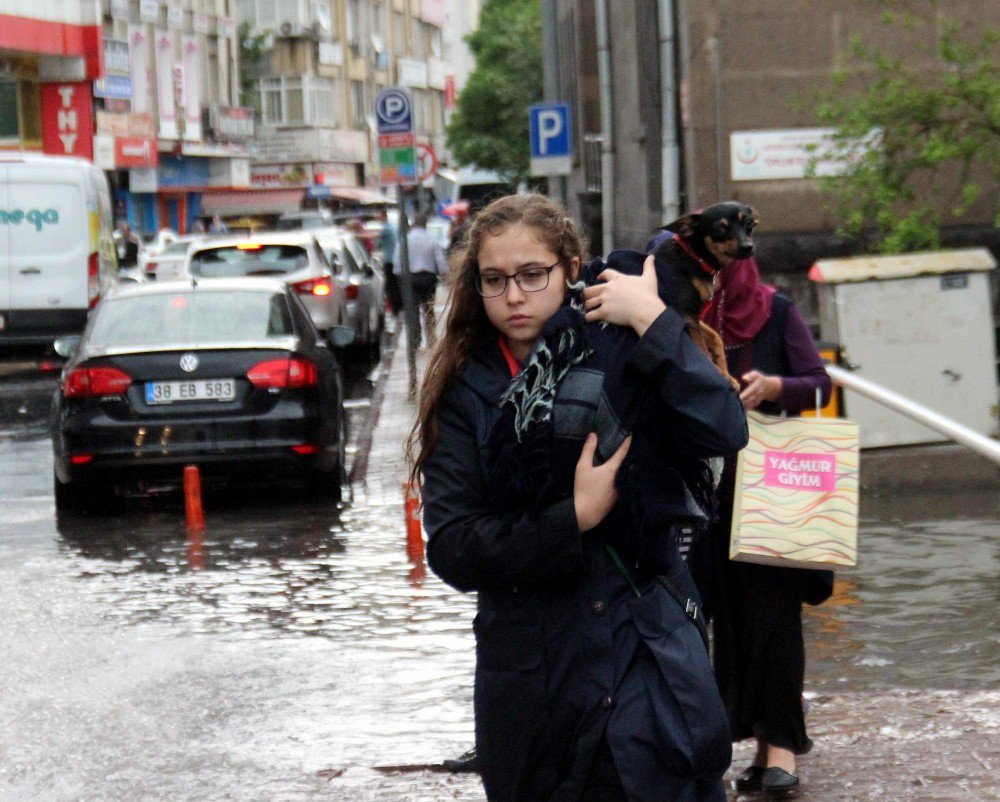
(414, 531)
(192, 499)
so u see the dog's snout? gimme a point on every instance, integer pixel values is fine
(745, 251)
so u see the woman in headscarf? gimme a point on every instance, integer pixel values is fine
(759, 650)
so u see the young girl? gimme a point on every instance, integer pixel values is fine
(552, 449)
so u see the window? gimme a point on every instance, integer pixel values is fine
(353, 22)
(358, 104)
(417, 38)
(297, 101)
(9, 126)
(398, 33)
(434, 35)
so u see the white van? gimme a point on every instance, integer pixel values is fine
(477, 187)
(57, 252)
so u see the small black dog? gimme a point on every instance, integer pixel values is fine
(702, 244)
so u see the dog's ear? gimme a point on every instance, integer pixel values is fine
(685, 226)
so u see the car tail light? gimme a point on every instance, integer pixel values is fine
(283, 373)
(90, 382)
(151, 267)
(314, 286)
(81, 459)
(306, 448)
(351, 292)
(93, 280)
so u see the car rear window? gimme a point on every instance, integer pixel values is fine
(248, 259)
(190, 317)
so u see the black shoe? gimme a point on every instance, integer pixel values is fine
(749, 780)
(467, 762)
(779, 781)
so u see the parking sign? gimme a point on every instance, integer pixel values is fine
(551, 139)
(396, 157)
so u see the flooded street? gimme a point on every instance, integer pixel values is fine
(295, 650)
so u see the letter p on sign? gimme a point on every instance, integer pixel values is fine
(551, 142)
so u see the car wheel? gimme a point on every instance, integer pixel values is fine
(330, 483)
(80, 495)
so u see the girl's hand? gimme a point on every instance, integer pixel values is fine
(625, 300)
(594, 491)
(759, 388)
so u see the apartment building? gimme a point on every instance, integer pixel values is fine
(147, 90)
(710, 101)
(326, 62)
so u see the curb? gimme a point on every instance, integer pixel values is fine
(359, 470)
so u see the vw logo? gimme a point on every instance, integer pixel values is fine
(189, 363)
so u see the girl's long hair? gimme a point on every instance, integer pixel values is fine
(466, 325)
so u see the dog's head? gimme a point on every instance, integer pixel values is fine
(719, 233)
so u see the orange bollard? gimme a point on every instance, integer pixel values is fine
(414, 531)
(192, 498)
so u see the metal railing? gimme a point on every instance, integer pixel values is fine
(921, 414)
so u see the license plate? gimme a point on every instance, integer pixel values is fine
(194, 390)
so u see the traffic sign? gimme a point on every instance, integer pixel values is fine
(396, 157)
(551, 139)
(427, 161)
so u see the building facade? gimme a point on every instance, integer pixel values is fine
(324, 65)
(145, 89)
(712, 101)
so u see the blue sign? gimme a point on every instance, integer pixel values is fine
(319, 191)
(116, 87)
(551, 139)
(394, 112)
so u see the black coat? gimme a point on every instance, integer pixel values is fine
(566, 653)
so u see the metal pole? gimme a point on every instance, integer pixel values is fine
(550, 74)
(928, 417)
(607, 123)
(670, 181)
(410, 312)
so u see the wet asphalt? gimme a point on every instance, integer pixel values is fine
(297, 651)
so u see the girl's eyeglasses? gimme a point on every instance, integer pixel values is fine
(533, 278)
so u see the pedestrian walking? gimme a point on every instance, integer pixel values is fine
(427, 265)
(129, 245)
(551, 448)
(386, 246)
(759, 651)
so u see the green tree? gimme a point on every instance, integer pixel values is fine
(489, 127)
(920, 139)
(253, 63)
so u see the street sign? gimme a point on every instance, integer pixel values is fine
(551, 139)
(427, 161)
(396, 157)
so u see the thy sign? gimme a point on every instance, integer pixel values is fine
(551, 139)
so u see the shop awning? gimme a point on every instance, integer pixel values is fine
(358, 195)
(250, 202)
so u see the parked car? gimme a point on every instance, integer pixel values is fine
(311, 218)
(363, 284)
(294, 256)
(168, 262)
(230, 375)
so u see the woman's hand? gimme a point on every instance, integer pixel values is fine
(625, 300)
(759, 388)
(594, 491)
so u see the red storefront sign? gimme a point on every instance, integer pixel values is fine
(449, 92)
(68, 119)
(135, 151)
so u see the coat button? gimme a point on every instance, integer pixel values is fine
(606, 702)
(598, 607)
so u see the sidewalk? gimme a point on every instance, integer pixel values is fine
(890, 746)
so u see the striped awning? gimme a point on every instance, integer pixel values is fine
(252, 201)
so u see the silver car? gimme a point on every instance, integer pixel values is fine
(293, 256)
(168, 263)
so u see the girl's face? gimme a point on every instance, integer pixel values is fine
(519, 315)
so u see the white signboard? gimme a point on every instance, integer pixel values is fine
(412, 73)
(780, 153)
(139, 69)
(192, 88)
(164, 48)
(311, 145)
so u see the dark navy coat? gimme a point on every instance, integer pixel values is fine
(566, 653)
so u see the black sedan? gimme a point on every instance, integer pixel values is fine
(230, 375)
